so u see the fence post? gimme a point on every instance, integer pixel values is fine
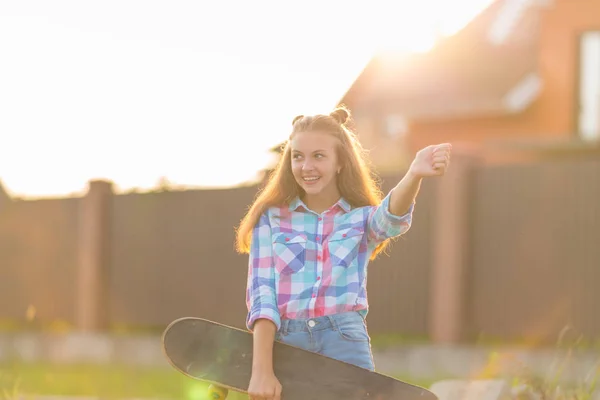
(93, 258)
(451, 250)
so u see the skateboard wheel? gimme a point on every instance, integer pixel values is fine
(217, 393)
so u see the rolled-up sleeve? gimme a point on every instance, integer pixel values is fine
(382, 224)
(261, 298)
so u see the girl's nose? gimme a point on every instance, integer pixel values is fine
(307, 166)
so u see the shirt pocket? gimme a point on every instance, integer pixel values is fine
(289, 252)
(344, 245)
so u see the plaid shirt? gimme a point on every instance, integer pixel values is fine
(305, 265)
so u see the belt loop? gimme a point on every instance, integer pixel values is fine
(284, 327)
(333, 322)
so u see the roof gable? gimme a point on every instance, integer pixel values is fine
(464, 74)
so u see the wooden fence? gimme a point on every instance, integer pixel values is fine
(504, 252)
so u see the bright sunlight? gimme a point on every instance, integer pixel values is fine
(196, 92)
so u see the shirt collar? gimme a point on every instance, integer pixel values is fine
(297, 202)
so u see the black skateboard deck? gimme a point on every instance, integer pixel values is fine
(221, 355)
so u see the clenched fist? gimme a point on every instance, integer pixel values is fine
(431, 161)
(264, 386)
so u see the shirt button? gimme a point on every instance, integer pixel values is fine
(319, 258)
(314, 295)
(320, 219)
(318, 278)
(318, 238)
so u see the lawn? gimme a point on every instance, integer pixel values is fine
(104, 381)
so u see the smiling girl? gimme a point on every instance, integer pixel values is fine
(310, 235)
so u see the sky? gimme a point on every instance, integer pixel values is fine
(195, 92)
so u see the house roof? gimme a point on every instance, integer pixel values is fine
(488, 67)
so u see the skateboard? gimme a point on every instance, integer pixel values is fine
(221, 356)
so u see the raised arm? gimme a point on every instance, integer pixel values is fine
(393, 217)
(430, 161)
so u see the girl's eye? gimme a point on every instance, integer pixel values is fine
(319, 155)
(296, 156)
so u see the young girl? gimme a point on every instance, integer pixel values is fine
(310, 234)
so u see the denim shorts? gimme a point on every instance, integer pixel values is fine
(341, 336)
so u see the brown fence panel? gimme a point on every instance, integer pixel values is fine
(398, 282)
(173, 256)
(536, 257)
(38, 256)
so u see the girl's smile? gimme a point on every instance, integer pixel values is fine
(315, 166)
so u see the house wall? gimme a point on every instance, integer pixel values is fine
(559, 58)
(386, 150)
(554, 114)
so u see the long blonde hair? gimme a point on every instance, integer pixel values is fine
(356, 183)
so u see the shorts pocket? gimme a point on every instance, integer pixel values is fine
(344, 245)
(354, 331)
(289, 252)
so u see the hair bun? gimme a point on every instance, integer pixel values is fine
(340, 115)
(296, 119)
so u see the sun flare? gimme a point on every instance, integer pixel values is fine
(135, 91)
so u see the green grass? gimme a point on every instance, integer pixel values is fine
(95, 380)
(109, 381)
(117, 381)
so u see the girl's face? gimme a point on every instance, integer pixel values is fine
(314, 163)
